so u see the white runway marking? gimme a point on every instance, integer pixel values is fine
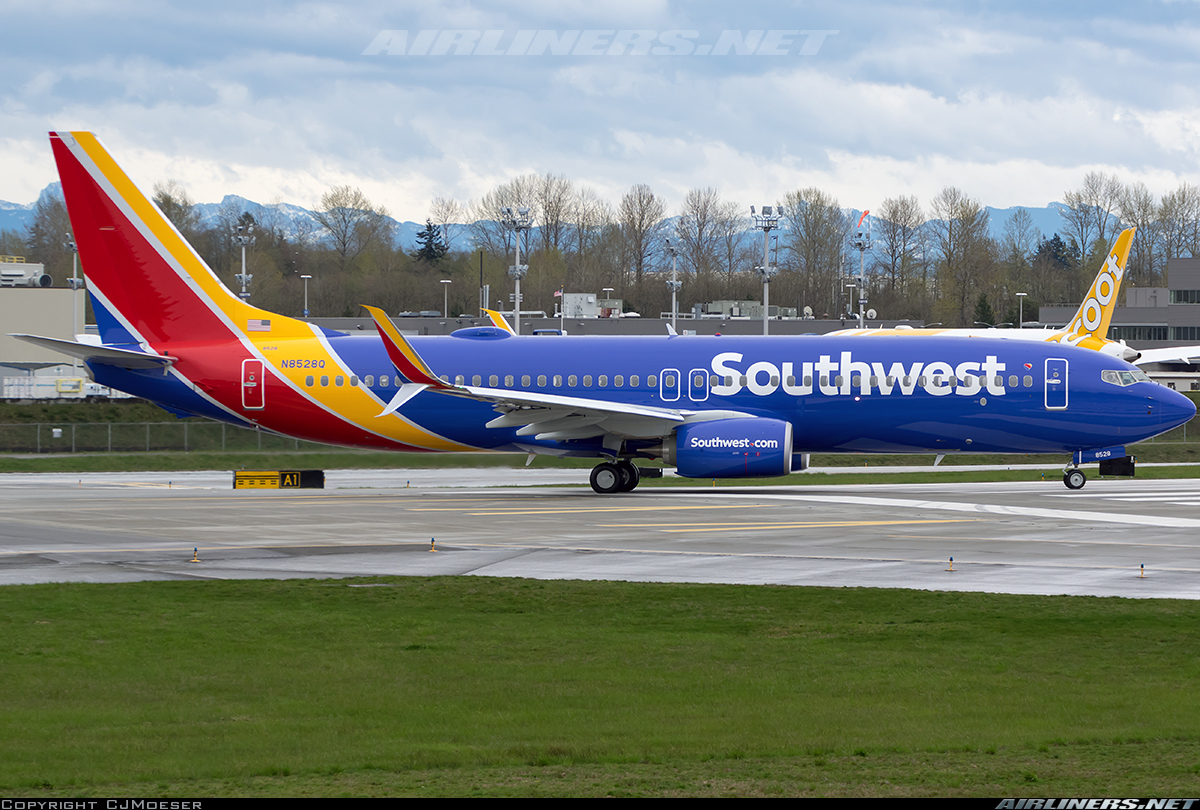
(977, 508)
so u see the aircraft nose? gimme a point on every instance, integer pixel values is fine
(1173, 408)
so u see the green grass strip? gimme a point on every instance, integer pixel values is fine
(477, 686)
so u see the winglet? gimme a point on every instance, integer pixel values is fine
(402, 355)
(1096, 311)
(498, 321)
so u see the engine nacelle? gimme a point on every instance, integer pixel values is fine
(731, 448)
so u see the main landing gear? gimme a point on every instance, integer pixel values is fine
(620, 477)
(1074, 478)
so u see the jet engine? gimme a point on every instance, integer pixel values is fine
(731, 448)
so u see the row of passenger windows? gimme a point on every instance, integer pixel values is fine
(618, 381)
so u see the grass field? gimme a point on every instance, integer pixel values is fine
(475, 686)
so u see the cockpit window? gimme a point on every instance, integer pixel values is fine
(1124, 378)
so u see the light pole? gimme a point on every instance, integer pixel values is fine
(446, 298)
(1021, 310)
(242, 236)
(672, 250)
(305, 279)
(862, 243)
(74, 285)
(766, 222)
(518, 221)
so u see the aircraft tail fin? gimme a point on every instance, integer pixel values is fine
(1096, 311)
(148, 285)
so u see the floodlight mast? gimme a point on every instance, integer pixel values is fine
(518, 220)
(242, 236)
(1021, 310)
(862, 243)
(766, 222)
(672, 250)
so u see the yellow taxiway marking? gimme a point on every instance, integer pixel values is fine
(589, 509)
(736, 527)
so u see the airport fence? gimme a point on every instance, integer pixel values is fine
(133, 437)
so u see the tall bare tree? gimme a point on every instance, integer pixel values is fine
(1091, 212)
(965, 253)
(640, 216)
(815, 241)
(354, 224)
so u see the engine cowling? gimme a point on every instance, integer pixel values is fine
(731, 448)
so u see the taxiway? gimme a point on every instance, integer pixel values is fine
(1031, 537)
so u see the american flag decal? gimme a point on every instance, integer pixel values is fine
(262, 325)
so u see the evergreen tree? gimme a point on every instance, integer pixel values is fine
(430, 245)
(983, 312)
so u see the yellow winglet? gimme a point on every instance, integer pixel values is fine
(402, 355)
(498, 321)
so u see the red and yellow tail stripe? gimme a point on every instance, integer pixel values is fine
(144, 272)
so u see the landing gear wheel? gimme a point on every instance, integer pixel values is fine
(1074, 479)
(606, 478)
(630, 476)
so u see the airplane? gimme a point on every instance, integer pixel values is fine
(1087, 328)
(710, 406)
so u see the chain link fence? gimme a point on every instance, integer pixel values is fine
(132, 437)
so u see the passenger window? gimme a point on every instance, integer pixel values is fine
(808, 381)
(618, 381)
(476, 380)
(1028, 381)
(524, 380)
(572, 381)
(558, 381)
(493, 380)
(633, 381)
(458, 379)
(837, 381)
(353, 381)
(652, 381)
(1012, 381)
(338, 380)
(324, 381)
(383, 381)
(587, 381)
(602, 380)
(508, 381)
(399, 382)
(824, 381)
(541, 380)
(742, 380)
(907, 380)
(669, 381)
(308, 381)
(369, 380)
(856, 380)
(715, 380)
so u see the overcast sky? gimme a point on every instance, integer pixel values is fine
(1013, 102)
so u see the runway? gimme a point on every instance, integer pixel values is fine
(1034, 537)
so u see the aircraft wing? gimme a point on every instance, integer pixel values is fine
(125, 358)
(545, 417)
(1173, 354)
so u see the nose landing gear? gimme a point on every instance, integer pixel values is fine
(1074, 478)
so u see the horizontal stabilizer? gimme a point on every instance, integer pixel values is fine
(125, 358)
